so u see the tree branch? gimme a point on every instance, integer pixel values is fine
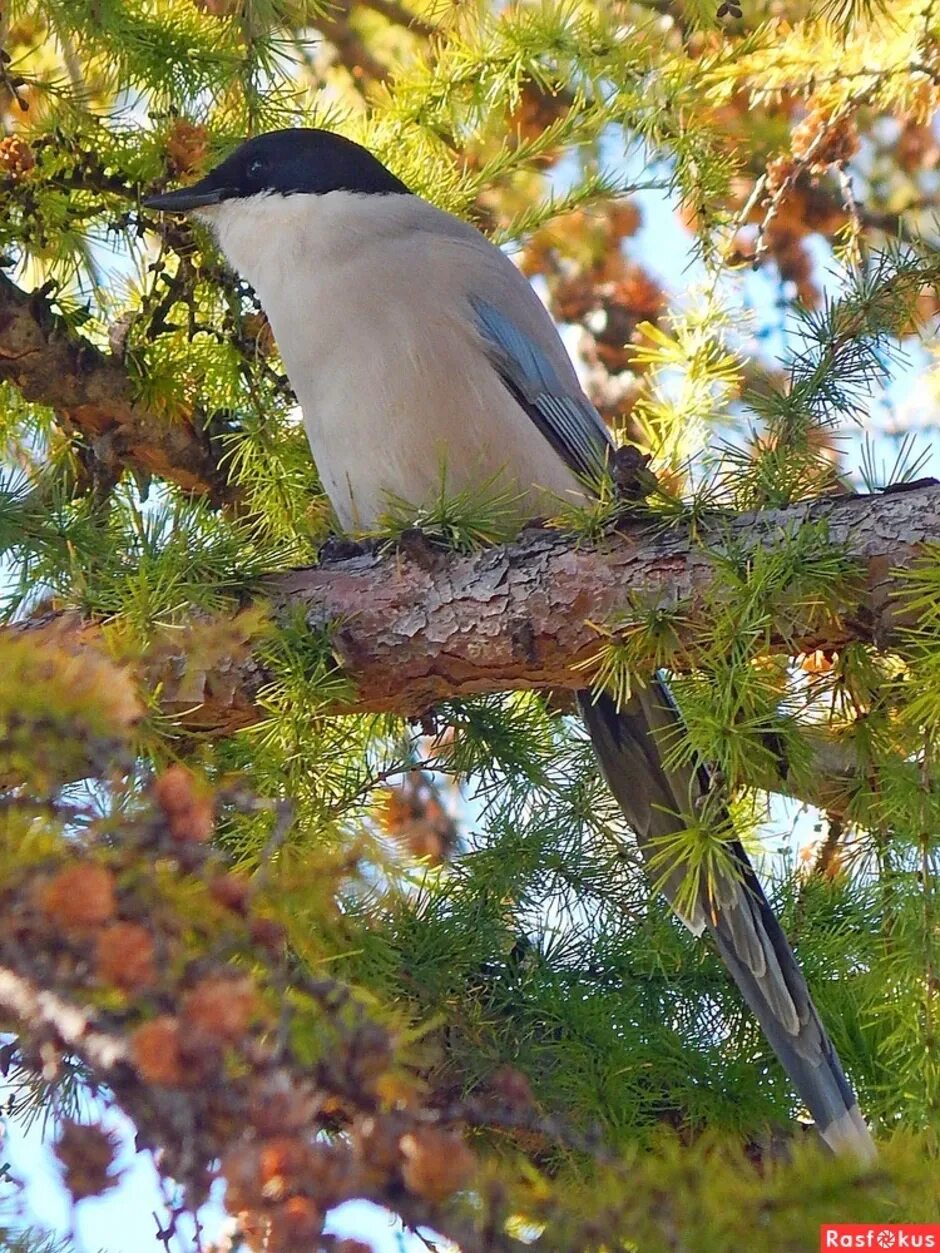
(91, 393)
(419, 625)
(44, 1012)
(413, 628)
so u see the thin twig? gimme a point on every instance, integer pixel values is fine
(800, 166)
(398, 15)
(37, 1007)
(826, 859)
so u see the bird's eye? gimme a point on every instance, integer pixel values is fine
(257, 168)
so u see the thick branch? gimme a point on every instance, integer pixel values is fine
(91, 393)
(419, 625)
(413, 631)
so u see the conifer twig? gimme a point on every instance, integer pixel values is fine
(91, 393)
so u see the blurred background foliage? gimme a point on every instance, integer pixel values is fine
(446, 951)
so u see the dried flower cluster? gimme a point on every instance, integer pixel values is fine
(821, 140)
(86, 1153)
(187, 147)
(798, 199)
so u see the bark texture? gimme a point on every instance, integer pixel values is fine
(418, 625)
(91, 393)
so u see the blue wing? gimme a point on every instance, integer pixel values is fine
(567, 419)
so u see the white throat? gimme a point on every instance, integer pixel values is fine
(281, 242)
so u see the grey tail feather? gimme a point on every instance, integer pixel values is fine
(736, 914)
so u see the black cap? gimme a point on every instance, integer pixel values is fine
(308, 161)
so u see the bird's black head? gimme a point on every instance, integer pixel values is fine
(284, 163)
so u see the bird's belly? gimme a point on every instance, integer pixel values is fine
(384, 436)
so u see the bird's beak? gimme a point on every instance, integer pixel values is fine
(199, 196)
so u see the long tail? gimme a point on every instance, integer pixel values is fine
(735, 910)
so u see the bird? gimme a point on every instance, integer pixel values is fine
(413, 343)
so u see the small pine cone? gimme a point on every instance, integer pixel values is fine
(536, 111)
(396, 810)
(196, 824)
(280, 1103)
(241, 1170)
(283, 1166)
(427, 841)
(252, 1229)
(639, 295)
(220, 1007)
(333, 1174)
(156, 1052)
(173, 790)
(187, 147)
(793, 261)
(412, 815)
(614, 357)
(536, 257)
(16, 157)
(368, 1056)
(87, 1153)
(796, 266)
(823, 212)
(80, 897)
(916, 148)
(573, 298)
(187, 806)
(779, 171)
(835, 142)
(624, 218)
(611, 267)
(436, 1163)
(233, 891)
(294, 1226)
(124, 956)
(377, 1144)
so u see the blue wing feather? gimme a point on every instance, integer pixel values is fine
(567, 419)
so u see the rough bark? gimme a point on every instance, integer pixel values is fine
(413, 628)
(91, 393)
(416, 626)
